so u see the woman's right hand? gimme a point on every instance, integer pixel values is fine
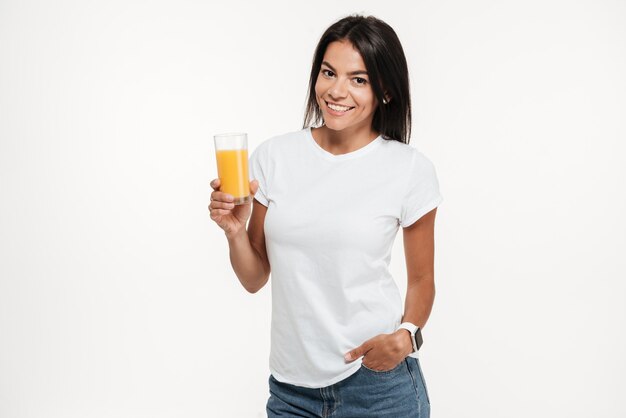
(228, 216)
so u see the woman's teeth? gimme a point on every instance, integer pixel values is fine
(337, 108)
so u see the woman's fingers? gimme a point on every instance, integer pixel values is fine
(254, 186)
(220, 212)
(217, 195)
(225, 197)
(216, 204)
(215, 184)
(220, 197)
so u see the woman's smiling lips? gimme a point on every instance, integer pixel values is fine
(339, 110)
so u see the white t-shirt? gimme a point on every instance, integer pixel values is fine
(329, 229)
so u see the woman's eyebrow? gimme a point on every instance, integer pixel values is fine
(350, 73)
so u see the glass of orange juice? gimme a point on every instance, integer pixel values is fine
(231, 150)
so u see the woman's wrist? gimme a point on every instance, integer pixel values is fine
(234, 238)
(404, 341)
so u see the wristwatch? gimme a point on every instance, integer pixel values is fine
(416, 334)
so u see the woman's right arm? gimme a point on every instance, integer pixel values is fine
(248, 254)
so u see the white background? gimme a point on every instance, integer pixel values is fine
(117, 298)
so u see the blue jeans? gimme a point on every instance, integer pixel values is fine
(396, 393)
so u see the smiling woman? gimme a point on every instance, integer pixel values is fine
(360, 65)
(343, 92)
(329, 200)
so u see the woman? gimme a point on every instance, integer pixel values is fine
(328, 202)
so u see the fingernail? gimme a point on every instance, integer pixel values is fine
(348, 357)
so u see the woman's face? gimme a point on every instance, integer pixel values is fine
(343, 81)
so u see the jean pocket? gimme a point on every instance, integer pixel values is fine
(419, 371)
(396, 368)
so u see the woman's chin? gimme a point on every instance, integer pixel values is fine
(334, 125)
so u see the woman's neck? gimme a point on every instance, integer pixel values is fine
(344, 141)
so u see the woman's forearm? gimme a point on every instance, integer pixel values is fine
(247, 262)
(420, 296)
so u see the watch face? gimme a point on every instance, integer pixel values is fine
(418, 338)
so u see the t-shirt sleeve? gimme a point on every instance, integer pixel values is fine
(258, 170)
(422, 193)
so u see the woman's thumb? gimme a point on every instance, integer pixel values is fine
(254, 186)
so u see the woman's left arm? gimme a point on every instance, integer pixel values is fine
(419, 251)
(385, 351)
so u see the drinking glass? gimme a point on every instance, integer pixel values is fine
(231, 151)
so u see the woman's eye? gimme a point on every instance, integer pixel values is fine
(360, 80)
(327, 73)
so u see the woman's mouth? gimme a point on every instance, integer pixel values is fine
(337, 110)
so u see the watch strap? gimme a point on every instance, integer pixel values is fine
(413, 330)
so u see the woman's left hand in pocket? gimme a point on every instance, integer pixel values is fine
(383, 352)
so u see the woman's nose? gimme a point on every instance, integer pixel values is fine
(338, 89)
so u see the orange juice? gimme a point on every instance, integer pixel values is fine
(232, 169)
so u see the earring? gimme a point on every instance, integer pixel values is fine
(385, 101)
